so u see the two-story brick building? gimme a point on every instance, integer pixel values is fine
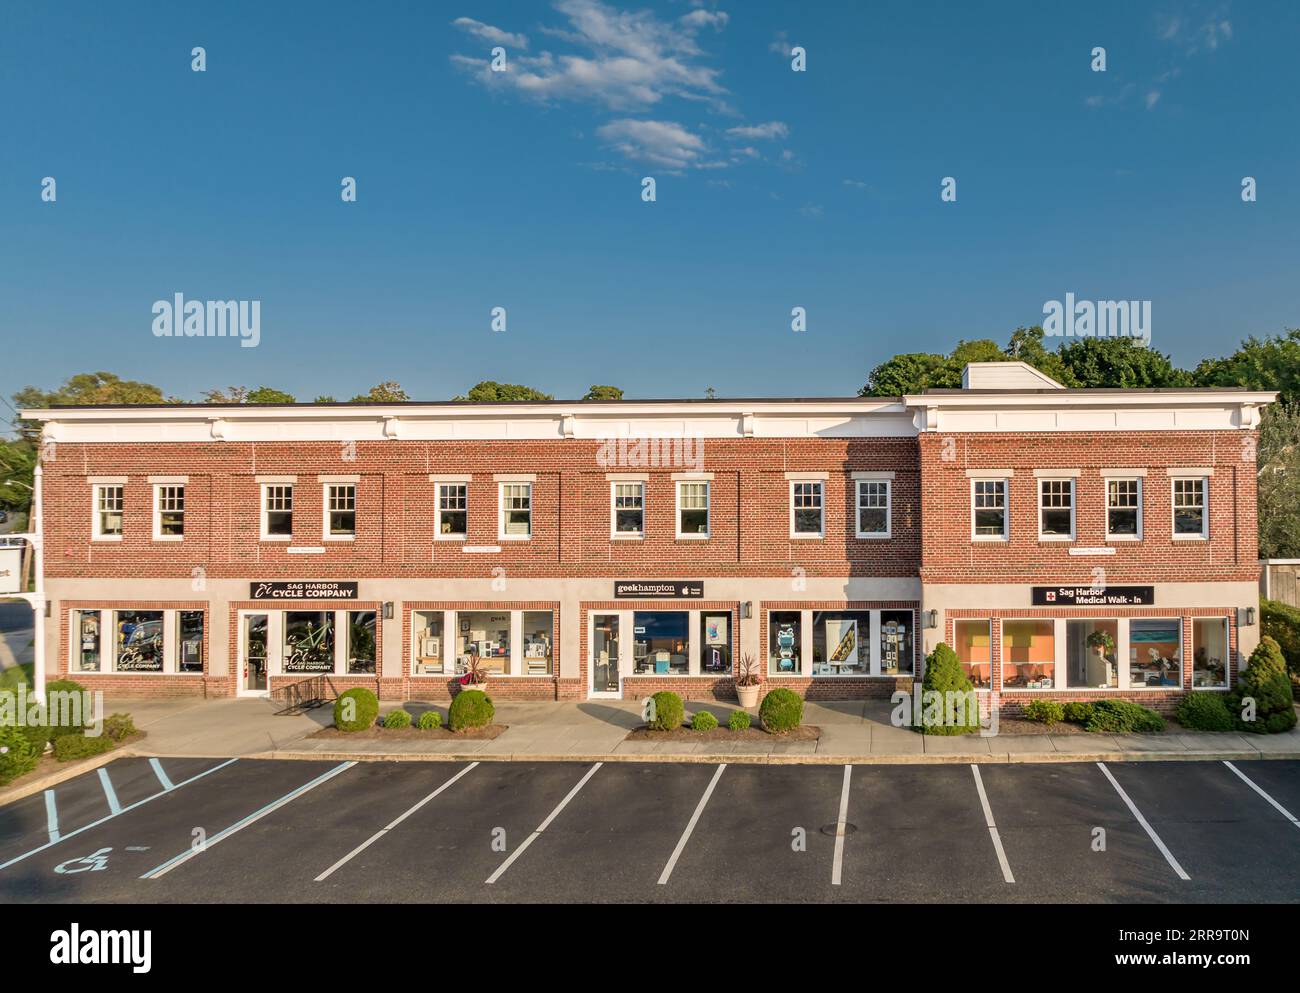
(1063, 541)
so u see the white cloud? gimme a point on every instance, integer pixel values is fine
(661, 143)
(488, 33)
(780, 45)
(700, 18)
(1152, 98)
(856, 184)
(760, 132)
(812, 210)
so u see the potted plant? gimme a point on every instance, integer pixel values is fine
(475, 676)
(1101, 642)
(747, 686)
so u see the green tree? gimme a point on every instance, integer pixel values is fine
(1026, 345)
(1279, 482)
(386, 392)
(17, 462)
(947, 695)
(604, 393)
(324, 399)
(1270, 363)
(267, 394)
(490, 391)
(1120, 363)
(85, 389)
(229, 395)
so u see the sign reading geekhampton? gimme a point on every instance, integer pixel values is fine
(1094, 596)
(652, 589)
(318, 589)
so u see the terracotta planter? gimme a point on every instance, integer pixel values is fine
(748, 695)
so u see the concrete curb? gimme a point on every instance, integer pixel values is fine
(62, 775)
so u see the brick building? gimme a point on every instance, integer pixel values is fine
(1100, 542)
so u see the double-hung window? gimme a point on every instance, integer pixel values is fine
(873, 500)
(1056, 509)
(168, 512)
(453, 511)
(692, 509)
(277, 511)
(516, 510)
(1124, 508)
(1190, 518)
(989, 509)
(628, 509)
(806, 509)
(108, 512)
(340, 511)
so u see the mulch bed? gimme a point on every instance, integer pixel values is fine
(1016, 725)
(48, 764)
(723, 733)
(411, 733)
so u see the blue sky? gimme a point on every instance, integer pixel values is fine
(521, 189)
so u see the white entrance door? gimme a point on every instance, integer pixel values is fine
(604, 639)
(254, 646)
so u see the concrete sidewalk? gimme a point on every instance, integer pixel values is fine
(852, 731)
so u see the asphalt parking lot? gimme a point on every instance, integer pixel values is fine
(210, 830)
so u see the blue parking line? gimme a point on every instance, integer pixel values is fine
(110, 794)
(162, 776)
(51, 816)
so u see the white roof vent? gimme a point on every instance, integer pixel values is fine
(1005, 376)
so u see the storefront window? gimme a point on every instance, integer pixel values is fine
(1028, 655)
(1210, 652)
(308, 641)
(539, 642)
(784, 632)
(975, 651)
(895, 641)
(1155, 653)
(715, 643)
(1091, 654)
(88, 642)
(189, 640)
(840, 640)
(484, 635)
(659, 642)
(361, 642)
(426, 649)
(139, 640)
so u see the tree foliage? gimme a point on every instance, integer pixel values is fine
(490, 391)
(1279, 482)
(388, 391)
(603, 393)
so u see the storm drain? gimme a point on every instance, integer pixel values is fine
(833, 829)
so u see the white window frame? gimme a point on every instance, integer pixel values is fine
(1006, 508)
(708, 510)
(265, 489)
(888, 484)
(437, 510)
(108, 642)
(501, 511)
(326, 489)
(158, 511)
(1205, 508)
(821, 509)
(614, 533)
(1039, 483)
(97, 520)
(1124, 479)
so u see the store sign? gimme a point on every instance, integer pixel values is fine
(1094, 596)
(654, 589)
(312, 589)
(11, 564)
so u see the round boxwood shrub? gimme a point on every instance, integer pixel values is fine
(430, 720)
(1124, 717)
(1044, 712)
(739, 720)
(1077, 712)
(666, 711)
(781, 710)
(470, 709)
(75, 746)
(18, 754)
(356, 709)
(703, 721)
(1204, 712)
(398, 719)
(1265, 683)
(67, 710)
(948, 701)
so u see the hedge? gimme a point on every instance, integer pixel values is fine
(119, 726)
(1124, 717)
(1045, 711)
(430, 720)
(1205, 712)
(1266, 685)
(356, 709)
(18, 753)
(739, 720)
(75, 746)
(65, 686)
(667, 713)
(781, 710)
(1281, 622)
(470, 709)
(1078, 712)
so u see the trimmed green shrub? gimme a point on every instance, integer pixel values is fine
(1281, 622)
(739, 720)
(781, 710)
(703, 721)
(1204, 712)
(955, 708)
(1044, 711)
(356, 709)
(1124, 717)
(64, 712)
(430, 720)
(119, 726)
(1077, 712)
(18, 753)
(68, 747)
(398, 719)
(667, 711)
(470, 709)
(1265, 683)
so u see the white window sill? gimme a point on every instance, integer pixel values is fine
(514, 537)
(989, 537)
(627, 536)
(339, 537)
(1123, 537)
(1055, 539)
(693, 537)
(1191, 537)
(450, 537)
(106, 537)
(277, 537)
(92, 672)
(873, 536)
(807, 536)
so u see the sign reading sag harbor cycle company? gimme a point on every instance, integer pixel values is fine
(311, 589)
(650, 589)
(1094, 596)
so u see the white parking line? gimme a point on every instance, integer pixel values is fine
(110, 794)
(993, 828)
(380, 833)
(159, 871)
(501, 869)
(162, 776)
(690, 826)
(1276, 806)
(1169, 856)
(51, 816)
(840, 828)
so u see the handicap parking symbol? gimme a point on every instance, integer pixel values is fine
(94, 862)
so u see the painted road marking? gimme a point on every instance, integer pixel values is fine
(162, 776)
(1276, 806)
(94, 862)
(125, 810)
(109, 793)
(159, 871)
(379, 834)
(690, 826)
(840, 828)
(51, 816)
(1169, 856)
(543, 826)
(993, 828)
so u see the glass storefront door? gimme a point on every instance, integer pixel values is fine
(255, 639)
(604, 654)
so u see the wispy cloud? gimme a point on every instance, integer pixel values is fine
(494, 36)
(760, 132)
(661, 143)
(1151, 99)
(780, 45)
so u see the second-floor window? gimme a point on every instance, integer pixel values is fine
(1124, 508)
(1056, 508)
(108, 511)
(873, 508)
(516, 510)
(806, 509)
(453, 510)
(989, 508)
(340, 510)
(277, 511)
(1190, 520)
(168, 512)
(629, 509)
(692, 510)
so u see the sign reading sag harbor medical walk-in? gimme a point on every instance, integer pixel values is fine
(310, 589)
(643, 589)
(1094, 596)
